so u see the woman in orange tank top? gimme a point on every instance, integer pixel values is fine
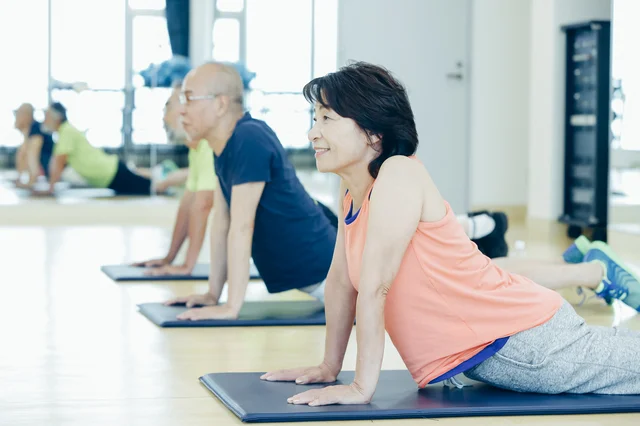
(402, 263)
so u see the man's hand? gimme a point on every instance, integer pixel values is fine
(193, 300)
(169, 270)
(209, 312)
(152, 263)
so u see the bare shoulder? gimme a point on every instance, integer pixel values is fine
(410, 177)
(399, 179)
(403, 170)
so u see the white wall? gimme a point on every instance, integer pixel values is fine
(421, 42)
(546, 108)
(499, 99)
(499, 90)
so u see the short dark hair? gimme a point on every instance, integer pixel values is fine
(60, 109)
(378, 103)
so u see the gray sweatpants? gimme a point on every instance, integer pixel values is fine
(566, 355)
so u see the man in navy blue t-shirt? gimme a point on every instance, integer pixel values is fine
(262, 210)
(34, 154)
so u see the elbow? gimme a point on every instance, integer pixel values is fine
(375, 293)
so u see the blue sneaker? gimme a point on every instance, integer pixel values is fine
(575, 253)
(168, 166)
(619, 281)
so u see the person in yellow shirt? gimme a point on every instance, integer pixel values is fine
(99, 169)
(196, 203)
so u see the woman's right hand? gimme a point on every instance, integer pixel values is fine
(302, 376)
(206, 299)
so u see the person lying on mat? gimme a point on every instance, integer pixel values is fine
(32, 157)
(165, 175)
(261, 208)
(403, 263)
(196, 203)
(99, 169)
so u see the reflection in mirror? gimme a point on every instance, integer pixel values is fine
(624, 201)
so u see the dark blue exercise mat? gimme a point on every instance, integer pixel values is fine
(135, 273)
(301, 312)
(398, 397)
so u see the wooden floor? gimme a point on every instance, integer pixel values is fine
(74, 350)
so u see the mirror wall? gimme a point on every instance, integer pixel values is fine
(624, 184)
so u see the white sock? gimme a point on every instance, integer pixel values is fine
(481, 226)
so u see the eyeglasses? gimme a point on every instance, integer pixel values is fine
(186, 99)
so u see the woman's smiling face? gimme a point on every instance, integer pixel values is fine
(338, 141)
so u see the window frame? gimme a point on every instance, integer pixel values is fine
(127, 147)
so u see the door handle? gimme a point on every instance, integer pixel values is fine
(454, 76)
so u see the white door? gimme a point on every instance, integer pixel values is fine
(425, 43)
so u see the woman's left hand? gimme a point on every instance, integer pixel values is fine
(340, 394)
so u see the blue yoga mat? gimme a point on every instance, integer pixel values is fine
(398, 397)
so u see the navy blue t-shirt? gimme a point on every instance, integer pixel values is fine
(293, 240)
(47, 145)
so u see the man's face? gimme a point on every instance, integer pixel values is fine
(198, 109)
(172, 120)
(172, 112)
(24, 116)
(51, 120)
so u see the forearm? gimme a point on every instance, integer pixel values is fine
(370, 340)
(33, 158)
(34, 169)
(239, 255)
(197, 227)
(21, 158)
(340, 311)
(181, 226)
(56, 167)
(218, 261)
(242, 217)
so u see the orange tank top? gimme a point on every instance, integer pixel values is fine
(448, 300)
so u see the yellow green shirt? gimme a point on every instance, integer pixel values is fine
(202, 176)
(96, 166)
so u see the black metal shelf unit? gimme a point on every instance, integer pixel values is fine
(587, 122)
